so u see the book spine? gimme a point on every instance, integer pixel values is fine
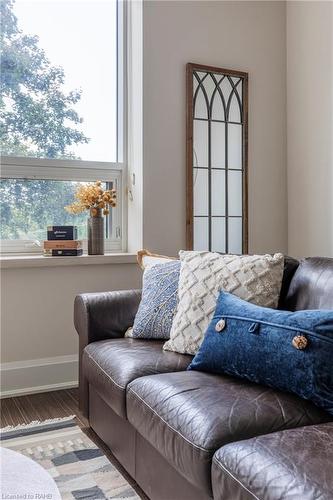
(62, 244)
(61, 233)
(66, 252)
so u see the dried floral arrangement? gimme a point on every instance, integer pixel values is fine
(94, 198)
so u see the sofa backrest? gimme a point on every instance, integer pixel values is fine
(290, 267)
(311, 286)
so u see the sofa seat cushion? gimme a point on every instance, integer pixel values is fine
(110, 365)
(187, 416)
(292, 464)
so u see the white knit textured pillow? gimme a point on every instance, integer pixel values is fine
(255, 278)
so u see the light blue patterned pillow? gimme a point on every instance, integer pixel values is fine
(159, 301)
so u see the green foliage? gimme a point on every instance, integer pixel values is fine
(28, 207)
(37, 119)
(35, 109)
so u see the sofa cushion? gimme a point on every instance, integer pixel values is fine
(292, 464)
(256, 278)
(110, 365)
(312, 285)
(187, 416)
(297, 348)
(159, 301)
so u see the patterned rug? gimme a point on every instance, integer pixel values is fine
(79, 468)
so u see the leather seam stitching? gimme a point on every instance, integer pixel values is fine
(222, 467)
(168, 425)
(108, 376)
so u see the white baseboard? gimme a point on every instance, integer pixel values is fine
(38, 375)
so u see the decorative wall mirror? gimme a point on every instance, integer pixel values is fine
(216, 150)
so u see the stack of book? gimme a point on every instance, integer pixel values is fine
(62, 242)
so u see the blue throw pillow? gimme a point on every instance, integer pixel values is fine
(290, 351)
(159, 301)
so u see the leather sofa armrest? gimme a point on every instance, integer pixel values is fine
(99, 316)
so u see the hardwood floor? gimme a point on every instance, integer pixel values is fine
(56, 404)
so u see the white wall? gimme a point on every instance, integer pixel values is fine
(37, 319)
(248, 36)
(310, 128)
(37, 305)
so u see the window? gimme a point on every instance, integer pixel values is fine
(62, 114)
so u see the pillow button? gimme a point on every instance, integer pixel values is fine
(220, 325)
(300, 342)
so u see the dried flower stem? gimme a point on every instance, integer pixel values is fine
(93, 197)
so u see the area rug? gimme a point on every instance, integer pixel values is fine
(79, 468)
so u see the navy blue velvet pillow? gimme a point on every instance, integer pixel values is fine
(290, 351)
(159, 301)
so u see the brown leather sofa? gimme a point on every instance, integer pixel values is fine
(187, 435)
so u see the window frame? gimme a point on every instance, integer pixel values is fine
(29, 168)
(191, 70)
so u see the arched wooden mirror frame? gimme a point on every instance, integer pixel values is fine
(238, 91)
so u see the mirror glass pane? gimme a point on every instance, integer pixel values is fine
(235, 114)
(218, 234)
(195, 85)
(200, 233)
(200, 191)
(200, 143)
(200, 104)
(218, 145)
(235, 193)
(209, 85)
(218, 192)
(234, 146)
(217, 105)
(235, 235)
(226, 88)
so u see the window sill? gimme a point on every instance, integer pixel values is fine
(21, 261)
